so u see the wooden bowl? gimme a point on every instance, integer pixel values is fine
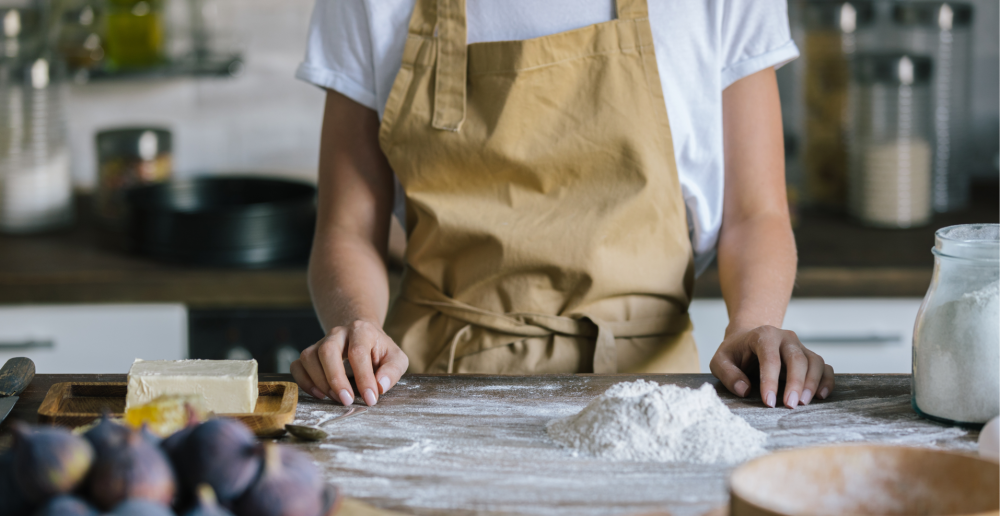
(865, 480)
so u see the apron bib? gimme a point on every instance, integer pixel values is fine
(547, 231)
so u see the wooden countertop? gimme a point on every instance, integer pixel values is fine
(465, 444)
(84, 264)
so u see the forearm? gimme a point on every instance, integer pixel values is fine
(757, 262)
(348, 280)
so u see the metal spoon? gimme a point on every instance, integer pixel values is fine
(314, 433)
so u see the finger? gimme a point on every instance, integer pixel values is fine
(796, 367)
(331, 357)
(363, 338)
(310, 363)
(766, 346)
(816, 368)
(302, 378)
(725, 369)
(391, 368)
(826, 384)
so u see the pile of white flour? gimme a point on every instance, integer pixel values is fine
(958, 357)
(644, 421)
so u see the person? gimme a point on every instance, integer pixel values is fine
(563, 170)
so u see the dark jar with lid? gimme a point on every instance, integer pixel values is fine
(126, 158)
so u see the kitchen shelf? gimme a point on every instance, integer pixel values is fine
(221, 65)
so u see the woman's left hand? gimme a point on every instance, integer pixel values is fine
(768, 350)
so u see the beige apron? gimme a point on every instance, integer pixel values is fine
(546, 224)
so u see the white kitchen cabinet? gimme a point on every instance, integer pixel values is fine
(92, 338)
(865, 335)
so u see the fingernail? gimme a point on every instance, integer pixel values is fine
(769, 399)
(823, 393)
(807, 396)
(346, 398)
(384, 382)
(318, 394)
(741, 388)
(370, 397)
(793, 400)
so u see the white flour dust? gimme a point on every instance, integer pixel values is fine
(644, 421)
(958, 358)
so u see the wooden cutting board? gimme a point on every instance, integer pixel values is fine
(73, 404)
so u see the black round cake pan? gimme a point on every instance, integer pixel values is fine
(231, 221)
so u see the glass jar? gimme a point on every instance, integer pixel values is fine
(134, 37)
(128, 157)
(942, 30)
(956, 339)
(834, 32)
(35, 181)
(889, 140)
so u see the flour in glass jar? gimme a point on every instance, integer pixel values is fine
(644, 421)
(960, 353)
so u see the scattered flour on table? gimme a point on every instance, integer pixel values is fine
(644, 421)
(958, 357)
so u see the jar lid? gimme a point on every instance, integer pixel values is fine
(971, 241)
(891, 68)
(143, 143)
(941, 15)
(838, 14)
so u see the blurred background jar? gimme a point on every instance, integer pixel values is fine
(81, 34)
(942, 30)
(35, 183)
(135, 34)
(128, 157)
(890, 140)
(833, 32)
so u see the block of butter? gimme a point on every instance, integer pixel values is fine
(226, 386)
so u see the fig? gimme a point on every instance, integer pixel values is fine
(49, 461)
(136, 468)
(12, 500)
(66, 505)
(149, 436)
(289, 485)
(106, 434)
(222, 453)
(174, 440)
(207, 505)
(140, 507)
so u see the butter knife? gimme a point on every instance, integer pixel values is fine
(15, 375)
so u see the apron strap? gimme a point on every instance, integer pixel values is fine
(631, 9)
(450, 65)
(525, 324)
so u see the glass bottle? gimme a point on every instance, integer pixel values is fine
(35, 180)
(942, 30)
(135, 34)
(956, 338)
(889, 142)
(834, 32)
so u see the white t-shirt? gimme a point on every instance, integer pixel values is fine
(702, 46)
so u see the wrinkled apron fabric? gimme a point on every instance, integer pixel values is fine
(545, 220)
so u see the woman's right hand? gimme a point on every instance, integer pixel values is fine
(377, 363)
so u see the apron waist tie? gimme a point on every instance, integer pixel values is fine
(526, 324)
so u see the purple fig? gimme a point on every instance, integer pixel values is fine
(106, 434)
(174, 440)
(289, 485)
(207, 505)
(136, 468)
(66, 505)
(140, 507)
(49, 461)
(222, 453)
(12, 500)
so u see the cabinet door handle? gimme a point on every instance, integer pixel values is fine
(10, 345)
(845, 338)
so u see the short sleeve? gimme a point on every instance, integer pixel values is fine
(339, 51)
(755, 35)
